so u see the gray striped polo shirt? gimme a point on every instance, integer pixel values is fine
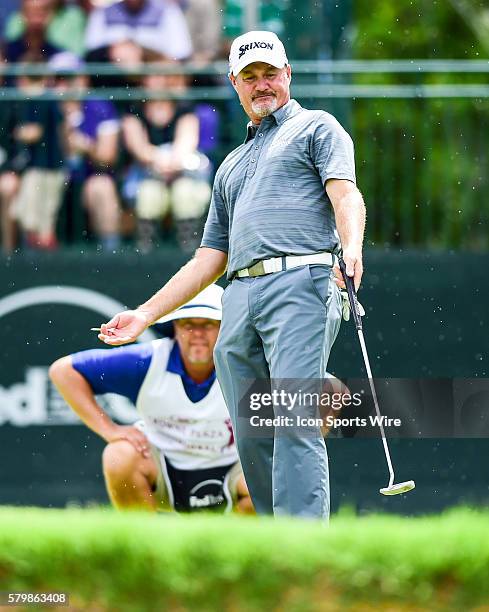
(268, 197)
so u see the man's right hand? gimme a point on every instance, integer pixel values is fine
(125, 327)
(133, 435)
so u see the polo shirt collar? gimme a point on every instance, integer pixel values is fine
(286, 111)
(279, 116)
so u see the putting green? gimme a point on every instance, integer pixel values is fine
(110, 561)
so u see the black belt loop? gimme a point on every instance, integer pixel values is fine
(284, 263)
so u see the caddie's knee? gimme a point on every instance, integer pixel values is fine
(244, 505)
(119, 460)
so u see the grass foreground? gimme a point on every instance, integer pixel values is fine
(107, 560)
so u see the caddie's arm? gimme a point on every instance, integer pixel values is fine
(349, 210)
(78, 394)
(203, 269)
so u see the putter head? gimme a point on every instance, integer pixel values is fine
(397, 489)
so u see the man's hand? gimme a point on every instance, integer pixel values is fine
(131, 434)
(125, 327)
(354, 266)
(357, 268)
(338, 277)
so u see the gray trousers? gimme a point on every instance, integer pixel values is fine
(279, 328)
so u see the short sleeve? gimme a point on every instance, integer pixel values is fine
(331, 149)
(106, 111)
(119, 370)
(216, 230)
(107, 118)
(95, 32)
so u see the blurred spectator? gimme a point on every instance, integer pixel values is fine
(12, 162)
(43, 180)
(36, 16)
(90, 131)
(204, 23)
(9, 175)
(9, 187)
(65, 29)
(168, 173)
(156, 25)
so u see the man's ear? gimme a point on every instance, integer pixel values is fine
(232, 78)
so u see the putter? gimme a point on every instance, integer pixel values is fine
(391, 488)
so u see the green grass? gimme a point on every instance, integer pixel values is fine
(135, 561)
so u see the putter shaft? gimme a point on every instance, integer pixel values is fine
(391, 489)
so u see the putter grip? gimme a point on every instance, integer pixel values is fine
(352, 295)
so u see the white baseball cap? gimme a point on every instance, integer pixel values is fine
(256, 46)
(205, 305)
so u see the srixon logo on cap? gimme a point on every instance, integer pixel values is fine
(254, 45)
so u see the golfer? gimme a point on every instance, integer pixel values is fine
(282, 204)
(181, 455)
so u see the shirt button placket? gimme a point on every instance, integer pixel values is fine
(253, 161)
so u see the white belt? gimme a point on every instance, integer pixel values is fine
(277, 264)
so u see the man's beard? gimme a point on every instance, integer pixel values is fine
(263, 110)
(199, 357)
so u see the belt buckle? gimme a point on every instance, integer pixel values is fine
(257, 269)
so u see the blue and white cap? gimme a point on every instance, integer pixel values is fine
(205, 305)
(256, 46)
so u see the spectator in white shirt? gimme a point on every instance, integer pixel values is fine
(156, 25)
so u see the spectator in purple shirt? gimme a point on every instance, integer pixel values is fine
(91, 136)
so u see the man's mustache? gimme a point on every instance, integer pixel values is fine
(262, 95)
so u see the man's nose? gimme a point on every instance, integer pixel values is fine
(262, 84)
